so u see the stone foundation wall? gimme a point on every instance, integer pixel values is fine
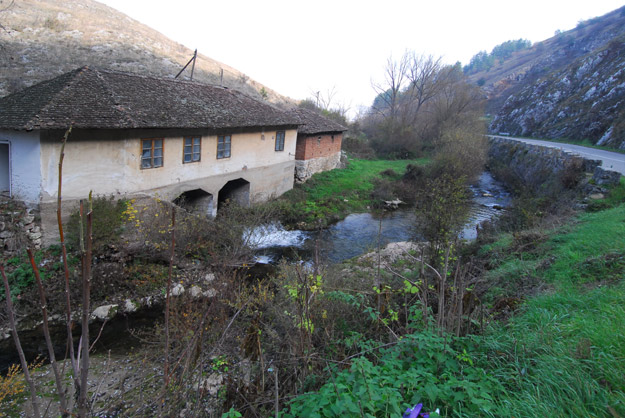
(304, 169)
(19, 227)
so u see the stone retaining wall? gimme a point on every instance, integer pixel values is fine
(19, 227)
(304, 169)
(545, 169)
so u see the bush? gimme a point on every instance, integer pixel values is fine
(389, 172)
(108, 220)
(421, 368)
(572, 173)
(357, 147)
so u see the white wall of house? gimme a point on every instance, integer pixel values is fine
(114, 167)
(24, 164)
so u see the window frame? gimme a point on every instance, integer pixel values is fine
(192, 153)
(280, 143)
(221, 146)
(152, 157)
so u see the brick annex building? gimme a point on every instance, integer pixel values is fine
(318, 144)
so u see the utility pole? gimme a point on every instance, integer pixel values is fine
(187, 64)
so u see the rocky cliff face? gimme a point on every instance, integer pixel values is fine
(584, 100)
(40, 39)
(570, 86)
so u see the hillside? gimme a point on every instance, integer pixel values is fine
(45, 38)
(569, 86)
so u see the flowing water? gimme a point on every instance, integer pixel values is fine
(359, 233)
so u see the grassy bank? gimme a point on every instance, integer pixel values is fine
(560, 354)
(563, 354)
(332, 195)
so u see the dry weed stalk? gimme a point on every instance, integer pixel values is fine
(46, 333)
(68, 305)
(168, 296)
(18, 345)
(86, 255)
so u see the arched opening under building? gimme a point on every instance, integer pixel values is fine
(196, 201)
(5, 175)
(235, 191)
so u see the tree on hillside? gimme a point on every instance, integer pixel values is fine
(484, 61)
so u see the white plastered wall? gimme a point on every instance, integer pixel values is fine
(25, 167)
(113, 167)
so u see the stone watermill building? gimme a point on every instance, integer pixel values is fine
(136, 136)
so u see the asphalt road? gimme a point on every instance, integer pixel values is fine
(612, 161)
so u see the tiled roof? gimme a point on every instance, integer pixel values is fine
(312, 122)
(92, 98)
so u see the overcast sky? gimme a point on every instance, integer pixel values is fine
(298, 47)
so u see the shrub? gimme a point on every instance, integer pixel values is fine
(357, 147)
(389, 172)
(53, 24)
(572, 173)
(421, 367)
(108, 220)
(20, 275)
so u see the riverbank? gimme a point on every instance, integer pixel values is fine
(332, 195)
(549, 343)
(562, 353)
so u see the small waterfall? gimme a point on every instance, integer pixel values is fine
(274, 235)
(268, 239)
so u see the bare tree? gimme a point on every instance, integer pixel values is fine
(18, 345)
(324, 100)
(426, 81)
(416, 101)
(389, 90)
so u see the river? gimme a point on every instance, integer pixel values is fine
(359, 233)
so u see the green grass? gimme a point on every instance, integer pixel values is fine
(564, 355)
(331, 195)
(354, 181)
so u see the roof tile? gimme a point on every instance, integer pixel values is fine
(93, 98)
(312, 122)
